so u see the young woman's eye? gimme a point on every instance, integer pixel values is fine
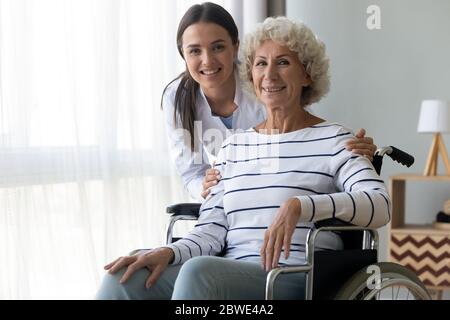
(194, 51)
(218, 47)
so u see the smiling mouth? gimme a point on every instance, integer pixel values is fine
(273, 89)
(210, 72)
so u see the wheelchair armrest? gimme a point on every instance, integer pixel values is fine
(184, 209)
(332, 222)
(350, 234)
(181, 211)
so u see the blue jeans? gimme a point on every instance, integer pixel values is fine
(203, 278)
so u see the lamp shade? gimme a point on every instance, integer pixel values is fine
(434, 116)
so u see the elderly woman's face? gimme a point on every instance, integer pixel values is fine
(278, 75)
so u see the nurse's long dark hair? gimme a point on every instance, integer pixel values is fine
(186, 95)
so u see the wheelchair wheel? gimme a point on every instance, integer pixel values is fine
(383, 281)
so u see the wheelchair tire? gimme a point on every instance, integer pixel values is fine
(361, 287)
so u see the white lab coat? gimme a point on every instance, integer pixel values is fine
(192, 165)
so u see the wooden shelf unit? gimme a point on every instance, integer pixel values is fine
(397, 186)
(422, 248)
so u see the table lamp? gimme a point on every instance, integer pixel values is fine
(435, 118)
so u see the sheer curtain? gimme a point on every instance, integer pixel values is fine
(84, 169)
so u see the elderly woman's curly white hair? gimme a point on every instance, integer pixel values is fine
(298, 38)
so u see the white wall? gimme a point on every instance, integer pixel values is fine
(379, 78)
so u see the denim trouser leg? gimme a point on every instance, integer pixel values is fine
(135, 289)
(210, 278)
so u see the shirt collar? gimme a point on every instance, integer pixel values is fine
(237, 94)
(238, 89)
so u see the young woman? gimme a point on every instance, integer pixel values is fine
(207, 101)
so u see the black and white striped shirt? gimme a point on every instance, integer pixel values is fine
(260, 172)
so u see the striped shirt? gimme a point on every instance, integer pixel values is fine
(260, 172)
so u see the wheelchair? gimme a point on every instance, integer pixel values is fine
(352, 273)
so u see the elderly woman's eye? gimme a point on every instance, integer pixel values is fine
(283, 62)
(260, 63)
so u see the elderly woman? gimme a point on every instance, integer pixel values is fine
(278, 179)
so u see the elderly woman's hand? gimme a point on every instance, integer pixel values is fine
(362, 145)
(155, 261)
(279, 234)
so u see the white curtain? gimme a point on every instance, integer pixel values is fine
(84, 171)
(247, 13)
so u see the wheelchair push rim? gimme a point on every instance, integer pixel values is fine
(391, 276)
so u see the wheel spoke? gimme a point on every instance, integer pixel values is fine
(396, 277)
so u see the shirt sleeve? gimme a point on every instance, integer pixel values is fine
(190, 165)
(209, 234)
(361, 198)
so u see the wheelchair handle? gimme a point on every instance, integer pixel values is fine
(396, 154)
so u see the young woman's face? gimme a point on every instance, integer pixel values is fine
(209, 54)
(278, 75)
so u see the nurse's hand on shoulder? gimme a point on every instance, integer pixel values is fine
(212, 177)
(362, 145)
(155, 261)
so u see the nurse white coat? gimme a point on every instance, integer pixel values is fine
(209, 133)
